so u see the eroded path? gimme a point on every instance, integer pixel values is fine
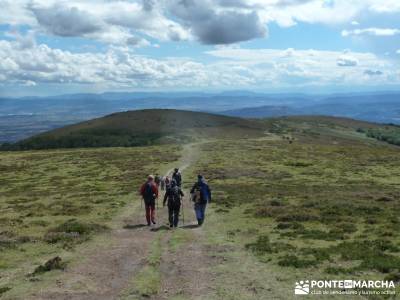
(122, 263)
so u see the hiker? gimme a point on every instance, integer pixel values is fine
(177, 176)
(167, 182)
(173, 195)
(162, 183)
(157, 180)
(201, 195)
(149, 192)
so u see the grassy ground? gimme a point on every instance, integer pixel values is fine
(53, 200)
(148, 281)
(305, 211)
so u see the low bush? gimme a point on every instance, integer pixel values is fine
(296, 262)
(72, 231)
(292, 225)
(263, 246)
(55, 263)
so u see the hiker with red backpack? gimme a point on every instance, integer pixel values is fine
(174, 196)
(201, 195)
(149, 192)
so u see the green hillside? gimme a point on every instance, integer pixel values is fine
(139, 128)
(162, 126)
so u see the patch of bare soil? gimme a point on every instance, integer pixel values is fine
(185, 272)
(105, 271)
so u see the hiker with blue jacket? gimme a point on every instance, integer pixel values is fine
(201, 195)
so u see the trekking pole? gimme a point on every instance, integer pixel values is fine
(183, 212)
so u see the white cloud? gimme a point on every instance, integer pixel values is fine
(209, 21)
(373, 72)
(372, 31)
(23, 41)
(346, 61)
(29, 83)
(15, 12)
(213, 26)
(124, 24)
(315, 12)
(386, 6)
(292, 67)
(148, 19)
(120, 67)
(67, 21)
(117, 22)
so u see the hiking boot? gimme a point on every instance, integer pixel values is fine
(148, 224)
(170, 225)
(154, 222)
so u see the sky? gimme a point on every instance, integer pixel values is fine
(50, 47)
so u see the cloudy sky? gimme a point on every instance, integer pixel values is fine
(56, 47)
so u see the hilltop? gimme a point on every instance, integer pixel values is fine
(166, 126)
(140, 128)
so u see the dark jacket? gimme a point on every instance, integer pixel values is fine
(204, 190)
(177, 177)
(173, 195)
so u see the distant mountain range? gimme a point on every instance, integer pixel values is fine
(24, 117)
(380, 108)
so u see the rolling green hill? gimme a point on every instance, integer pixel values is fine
(164, 126)
(143, 127)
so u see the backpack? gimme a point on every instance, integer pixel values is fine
(196, 196)
(148, 191)
(174, 196)
(178, 178)
(201, 193)
(203, 188)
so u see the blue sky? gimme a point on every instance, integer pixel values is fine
(58, 47)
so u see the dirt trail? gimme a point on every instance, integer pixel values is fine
(190, 155)
(110, 268)
(184, 270)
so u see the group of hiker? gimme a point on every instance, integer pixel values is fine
(173, 196)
